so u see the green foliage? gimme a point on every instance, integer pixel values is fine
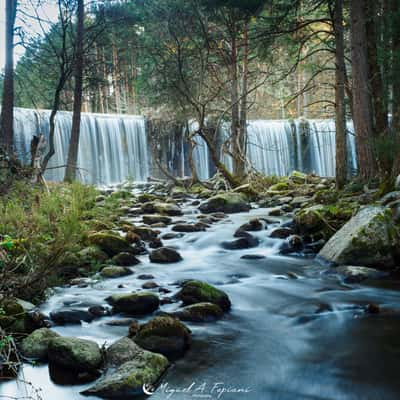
(41, 229)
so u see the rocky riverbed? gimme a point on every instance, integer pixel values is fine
(288, 295)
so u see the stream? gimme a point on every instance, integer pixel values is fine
(288, 337)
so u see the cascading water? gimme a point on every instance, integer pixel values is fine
(112, 148)
(277, 147)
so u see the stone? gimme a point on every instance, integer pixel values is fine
(149, 285)
(110, 242)
(114, 271)
(133, 328)
(298, 177)
(145, 276)
(122, 351)
(35, 346)
(281, 233)
(155, 219)
(145, 233)
(134, 303)
(252, 257)
(161, 208)
(247, 241)
(164, 335)
(251, 226)
(92, 253)
(369, 239)
(228, 202)
(79, 355)
(193, 292)
(188, 227)
(125, 260)
(171, 235)
(390, 197)
(356, 274)
(275, 212)
(128, 380)
(98, 311)
(120, 322)
(199, 312)
(165, 255)
(71, 316)
(293, 244)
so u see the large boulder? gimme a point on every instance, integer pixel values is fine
(35, 346)
(156, 207)
(165, 335)
(246, 241)
(134, 303)
(165, 255)
(127, 381)
(122, 351)
(199, 312)
(369, 239)
(188, 227)
(75, 354)
(110, 242)
(225, 202)
(193, 292)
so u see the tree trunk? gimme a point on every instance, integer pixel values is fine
(70, 172)
(238, 165)
(7, 107)
(341, 152)
(395, 50)
(362, 115)
(376, 82)
(243, 101)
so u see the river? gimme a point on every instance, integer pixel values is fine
(284, 339)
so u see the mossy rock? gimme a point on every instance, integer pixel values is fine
(35, 346)
(155, 219)
(145, 233)
(279, 187)
(369, 239)
(110, 242)
(122, 351)
(199, 312)
(125, 260)
(127, 381)
(134, 303)
(328, 196)
(91, 254)
(14, 318)
(228, 202)
(114, 271)
(194, 292)
(298, 177)
(75, 354)
(165, 335)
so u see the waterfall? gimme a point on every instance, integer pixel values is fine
(277, 147)
(112, 148)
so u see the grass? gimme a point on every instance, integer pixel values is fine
(40, 230)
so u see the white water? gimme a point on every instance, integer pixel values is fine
(113, 148)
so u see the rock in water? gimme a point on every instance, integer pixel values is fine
(165, 255)
(164, 335)
(369, 239)
(36, 345)
(356, 274)
(226, 202)
(111, 243)
(122, 351)
(127, 380)
(113, 271)
(125, 260)
(193, 292)
(78, 355)
(199, 312)
(134, 303)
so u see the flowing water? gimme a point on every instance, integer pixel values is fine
(114, 148)
(284, 339)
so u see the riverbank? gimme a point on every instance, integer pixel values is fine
(224, 239)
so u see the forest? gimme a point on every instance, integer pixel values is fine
(199, 198)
